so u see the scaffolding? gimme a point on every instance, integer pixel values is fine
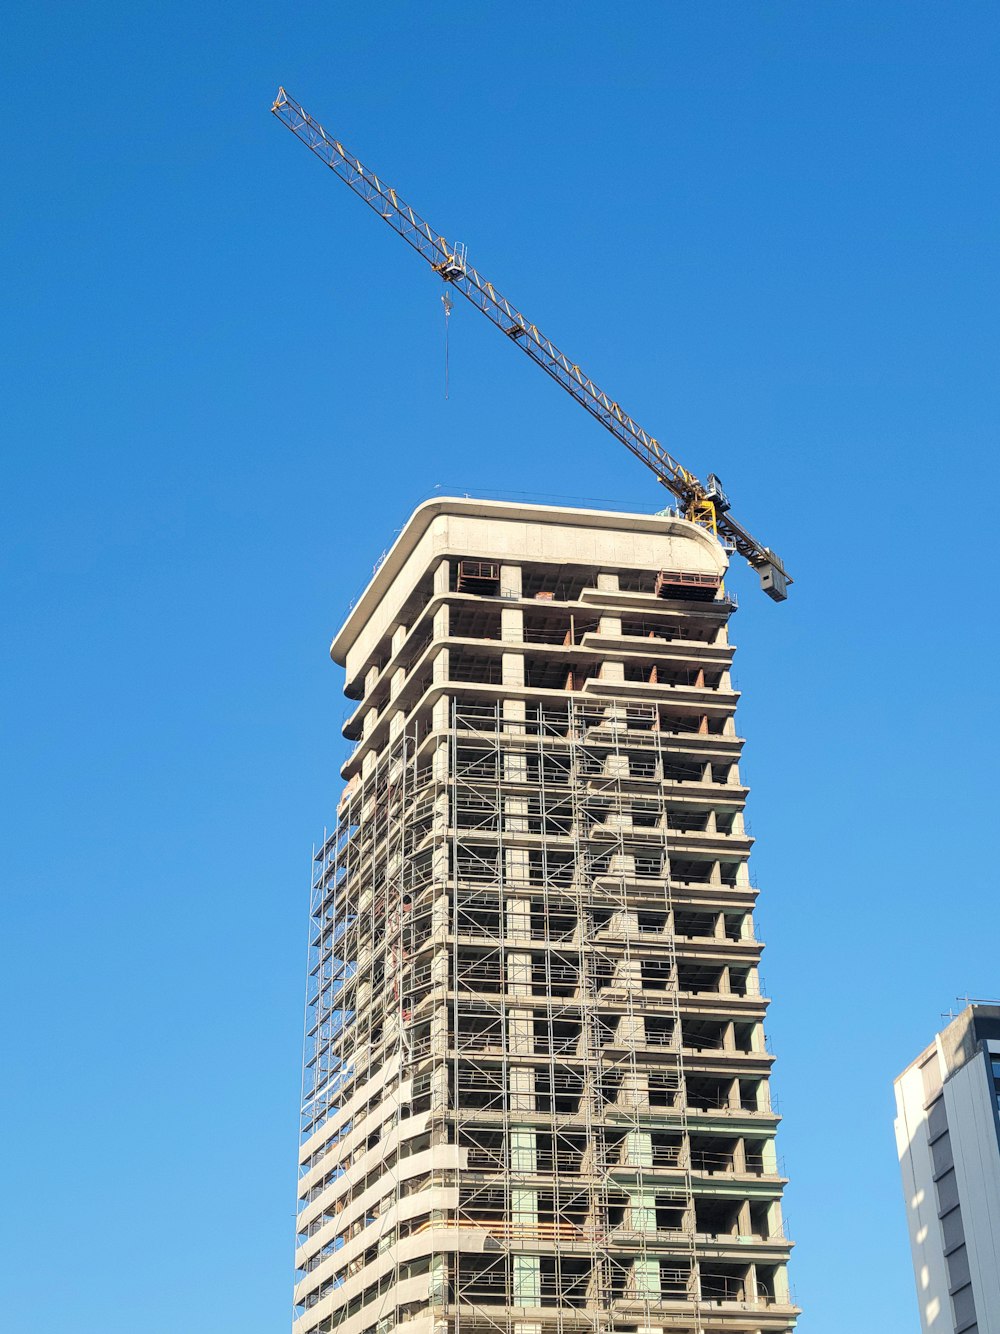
(503, 1003)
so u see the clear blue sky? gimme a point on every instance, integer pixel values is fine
(770, 230)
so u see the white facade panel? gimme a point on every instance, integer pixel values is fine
(913, 1147)
(969, 1102)
(948, 1143)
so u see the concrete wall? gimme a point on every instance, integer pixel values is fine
(496, 530)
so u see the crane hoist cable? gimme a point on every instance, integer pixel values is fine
(704, 504)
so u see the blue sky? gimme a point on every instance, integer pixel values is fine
(768, 229)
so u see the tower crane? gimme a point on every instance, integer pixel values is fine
(705, 504)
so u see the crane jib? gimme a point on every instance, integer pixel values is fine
(449, 262)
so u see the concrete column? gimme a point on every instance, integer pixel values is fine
(442, 622)
(510, 581)
(627, 975)
(399, 637)
(751, 1290)
(442, 577)
(620, 820)
(624, 924)
(371, 676)
(739, 1158)
(522, 1088)
(441, 920)
(512, 625)
(438, 1285)
(512, 669)
(523, 1149)
(518, 974)
(439, 1088)
(441, 721)
(441, 666)
(638, 1149)
(514, 714)
(441, 806)
(439, 766)
(515, 815)
(396, 681)
(644, 1280)
(439, 966)
(521, 1032)
(368, 723)
(631, 1031)
(524, 1206)
(607, 582)
(439, 1031)
(610, 625)
(517, 866)
(621, 863)
(440, 863)
(591, 1161)
(595, 1299)
(640, 1212)
(781, 1293)
(634, 1091)
(612, 671)
(396, 724)
(518, 919)
(527, 1280)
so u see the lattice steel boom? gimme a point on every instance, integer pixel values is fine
(705, 505)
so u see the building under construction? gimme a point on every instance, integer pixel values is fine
(537, 1082)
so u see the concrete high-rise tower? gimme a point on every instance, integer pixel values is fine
(536, 1092)
(948, 1140)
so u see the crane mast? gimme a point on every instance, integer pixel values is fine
(706, 505)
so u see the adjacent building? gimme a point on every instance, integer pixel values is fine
(537, 1080)
(948, 1139)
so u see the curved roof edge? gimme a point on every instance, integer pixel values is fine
(428, 510)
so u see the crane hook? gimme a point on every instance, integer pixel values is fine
(447, 302)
